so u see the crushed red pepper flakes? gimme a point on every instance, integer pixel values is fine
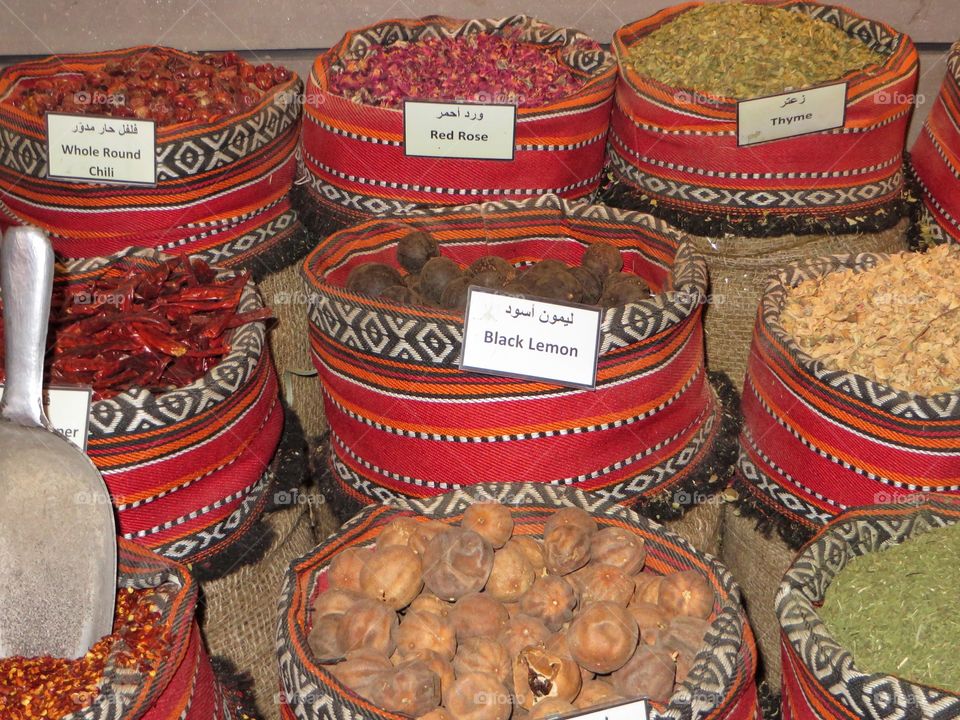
(478, 67)
(47, 687)
(156, 329)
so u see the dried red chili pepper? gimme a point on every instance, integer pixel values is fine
(47, 687)
(157, 85)
(156, 329)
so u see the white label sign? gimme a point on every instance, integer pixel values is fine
(635, 710)
(459, 130)
(88, 148)
(537, 339)
(791, 114)
(68, 410)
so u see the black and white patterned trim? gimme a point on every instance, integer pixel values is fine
(766, 199)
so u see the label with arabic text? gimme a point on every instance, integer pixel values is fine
(791, 114)
(459, 130)
(530, 338)
(89, 148)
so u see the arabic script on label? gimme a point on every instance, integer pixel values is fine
(88, 148)
(459, 130)
(527, 338)
(791, 114)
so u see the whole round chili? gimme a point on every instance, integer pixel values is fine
(48, 687)
(157, 329)
(480, 67)
(155, 85)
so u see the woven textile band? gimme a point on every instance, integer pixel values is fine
(679, 147)
(358, 149)
(817, 441)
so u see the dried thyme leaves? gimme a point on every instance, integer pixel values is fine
(898, 324)
(741, 50)
(898, 610)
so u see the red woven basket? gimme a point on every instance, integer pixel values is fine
(678, 147)
(187, 468)
(354, 153)
(816, 441)
(821, 679)
(222, 187)
(406, 421)
(184, 686)
(936, 157)
(722, 680)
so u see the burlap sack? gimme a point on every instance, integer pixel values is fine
(739, 269)
(758, 563)
(285, 293)
(240, 609)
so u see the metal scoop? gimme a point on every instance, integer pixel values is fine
(58, 547)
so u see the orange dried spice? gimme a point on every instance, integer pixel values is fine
(896, 323)
(48, 687)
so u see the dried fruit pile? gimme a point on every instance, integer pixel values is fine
(156, 329)
(479, 67)
(438, 281)
(476, 623)
(743, 50)
(155, 85)
(898, 612)
(47, 687)
(895, 323)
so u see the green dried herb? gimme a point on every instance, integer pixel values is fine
(898, 610)
(742, 50)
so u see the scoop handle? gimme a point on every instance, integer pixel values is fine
(26, 283)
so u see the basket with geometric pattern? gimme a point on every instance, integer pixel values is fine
(187, 468)
(721, 682)
(817, 441)
(183, 686)
(405, 420)
(354, 156)
(675, 149)
(935, 158)
(222, 189)
(821, 679)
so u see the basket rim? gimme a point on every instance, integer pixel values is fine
(723, 110)
(605, 74)
(730, 617)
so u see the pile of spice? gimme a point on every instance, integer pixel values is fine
(743, 50)
(898, 611)
(481, 67)
(155, 85)
(896, 323)
(435, 280)
(476, 622)
(47, 687)
(156, 329)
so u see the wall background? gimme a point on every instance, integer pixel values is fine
(292, 31)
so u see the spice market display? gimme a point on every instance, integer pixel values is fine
(433, 385)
